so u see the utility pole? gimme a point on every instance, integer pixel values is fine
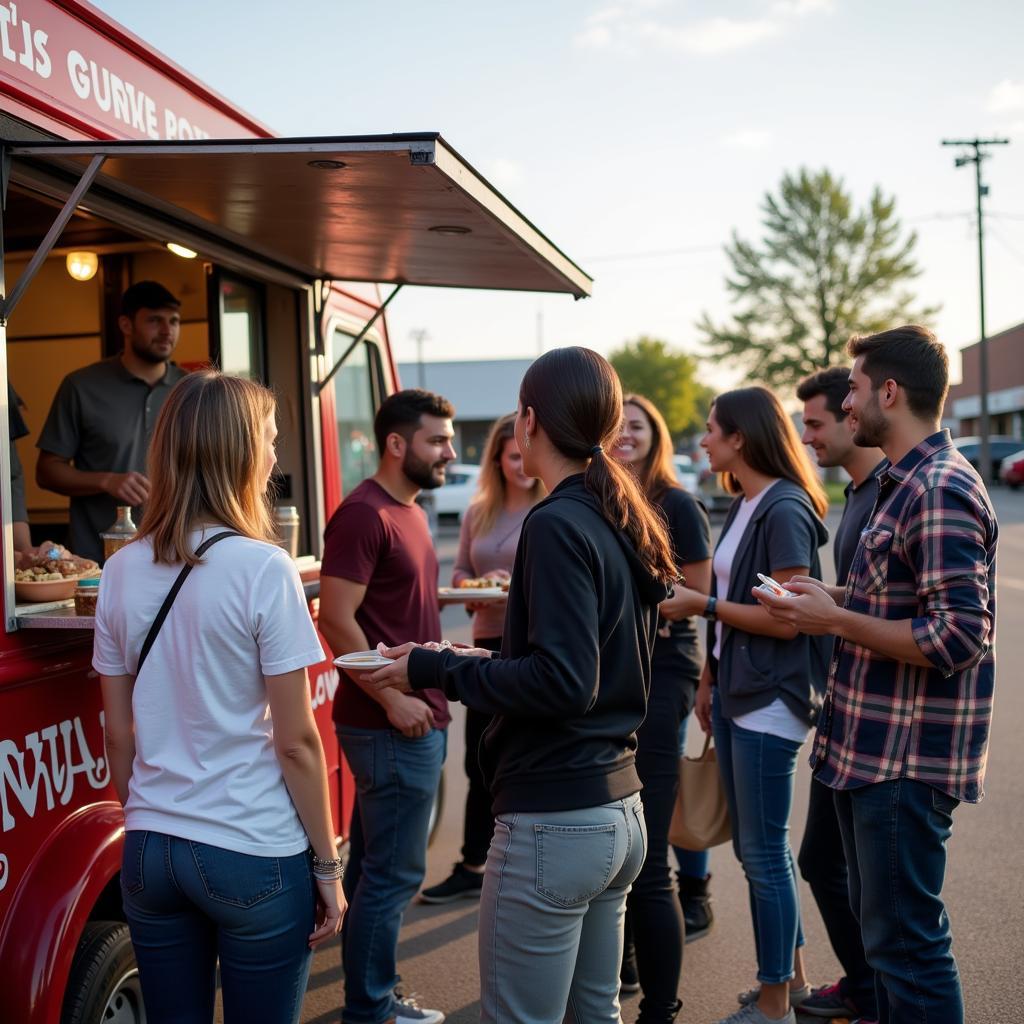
(974, 156)
(420, 335)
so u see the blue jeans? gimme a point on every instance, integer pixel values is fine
(552, 913)
(396, 779)
(692, 863)
(895, 834)
(188, 903)
(758, 770)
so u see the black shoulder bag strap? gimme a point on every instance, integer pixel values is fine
(173, 593)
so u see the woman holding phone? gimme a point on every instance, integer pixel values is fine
(213, 749)
(760, 689)
(567, 695)
(654, 918)
(488, 540)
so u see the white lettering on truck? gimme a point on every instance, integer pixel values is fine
(46, 766)
(33, 53)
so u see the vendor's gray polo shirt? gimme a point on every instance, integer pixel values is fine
(102, 419)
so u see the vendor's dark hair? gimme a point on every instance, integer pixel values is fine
(577, 399)
(401, 413)
(147, 295)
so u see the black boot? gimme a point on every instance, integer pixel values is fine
(650, 1016)
(696, 904)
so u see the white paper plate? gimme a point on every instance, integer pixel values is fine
(472, 594)
(363, 661)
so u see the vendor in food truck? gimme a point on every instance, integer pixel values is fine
(93, 445)
(16, 429)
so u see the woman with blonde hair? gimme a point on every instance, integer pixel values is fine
(760, 689)
(487, 549)
(654, 919)
(213, 749)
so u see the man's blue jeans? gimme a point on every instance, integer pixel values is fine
(396, 779)
(758, 770)
(895, 834)
(188, 903)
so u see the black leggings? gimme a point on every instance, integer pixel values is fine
(652, 907)
(478, 823)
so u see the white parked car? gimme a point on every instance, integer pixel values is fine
(453, 498)
(686, 472)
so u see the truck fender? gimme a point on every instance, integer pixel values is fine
(51, 907)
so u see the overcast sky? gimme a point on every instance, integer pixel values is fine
(637, 134)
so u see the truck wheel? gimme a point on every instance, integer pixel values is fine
(436, 811)
(104, 987)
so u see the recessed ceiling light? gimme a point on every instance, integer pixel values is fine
(182, 251)
(82, 266)
(328, 165)
(450, 229)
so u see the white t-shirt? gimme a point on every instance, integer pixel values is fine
(205, 767)
(775, 719)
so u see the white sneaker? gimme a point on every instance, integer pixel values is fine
(408, 1011)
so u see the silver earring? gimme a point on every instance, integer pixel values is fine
(526, 441)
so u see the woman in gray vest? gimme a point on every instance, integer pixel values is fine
(757, 692)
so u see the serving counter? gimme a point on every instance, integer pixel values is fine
(61, 614)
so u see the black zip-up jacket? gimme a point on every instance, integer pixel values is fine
(571, 685)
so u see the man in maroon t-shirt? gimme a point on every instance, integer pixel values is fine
(379, 582)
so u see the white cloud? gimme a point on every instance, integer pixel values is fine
(629, 27)
(750, 138)
(1007, 97)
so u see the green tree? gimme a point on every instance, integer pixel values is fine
(823, 271)
(652, 368)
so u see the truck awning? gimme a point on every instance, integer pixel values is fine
(405, 209)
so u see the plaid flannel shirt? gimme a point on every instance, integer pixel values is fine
(927, 554)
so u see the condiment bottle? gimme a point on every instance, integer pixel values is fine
(86, 593)
(123, 530)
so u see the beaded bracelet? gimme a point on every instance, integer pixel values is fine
(328, 869)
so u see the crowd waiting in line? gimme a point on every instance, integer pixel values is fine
(577, 689)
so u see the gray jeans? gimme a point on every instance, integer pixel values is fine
(552, 911)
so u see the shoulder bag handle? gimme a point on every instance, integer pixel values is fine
(173, 593)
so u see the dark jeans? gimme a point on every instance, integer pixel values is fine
(396, 779)
(895, 834)
(478, 823)
(652, 906)
(188, 903)
(822, 862)
(758, 770)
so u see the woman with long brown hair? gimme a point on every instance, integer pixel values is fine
(488, 540)
(567, 695)
(213, 749)
(760, 689)
(654, 921)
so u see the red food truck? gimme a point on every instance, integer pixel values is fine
(115, 166)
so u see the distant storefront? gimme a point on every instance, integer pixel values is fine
(1005, 388)
(480, 389)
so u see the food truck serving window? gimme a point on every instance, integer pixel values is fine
(358, 389)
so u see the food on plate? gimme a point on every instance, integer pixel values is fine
(51, 562)
(484, 583)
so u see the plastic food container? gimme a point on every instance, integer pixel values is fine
(86, 593)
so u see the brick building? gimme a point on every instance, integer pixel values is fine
(1005, 387)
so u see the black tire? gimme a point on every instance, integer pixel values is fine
(437, 811)
(103, 986)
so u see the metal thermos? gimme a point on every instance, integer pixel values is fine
(287, 519)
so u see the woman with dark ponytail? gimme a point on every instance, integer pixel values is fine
(567, 694)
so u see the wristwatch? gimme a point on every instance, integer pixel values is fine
(709, 609)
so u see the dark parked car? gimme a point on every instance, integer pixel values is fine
(999, 448)
(1011, 472)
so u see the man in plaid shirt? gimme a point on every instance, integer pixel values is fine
(903, 733)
